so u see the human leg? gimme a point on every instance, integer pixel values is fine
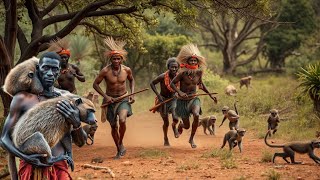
(195, 123)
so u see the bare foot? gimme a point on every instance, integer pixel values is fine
(122, 150)
(193, 145)
(118, 155)
(166, 142)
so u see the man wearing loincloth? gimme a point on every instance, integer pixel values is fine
(115, 75)
(189, 77)
(166, 92)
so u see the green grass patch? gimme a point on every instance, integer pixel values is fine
(186, 167)
(229, 163)
(152, 153)
(221, 153)
(266, 156)
(271, 174)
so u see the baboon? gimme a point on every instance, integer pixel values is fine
(23, 78)
(90, 130)
(273, 121)
(208, 123)
(318, 134)
(42, 127)
(92, 97)
(230, 90)
(245, 81)
(301, 147)
(232, 115)
(234, 138)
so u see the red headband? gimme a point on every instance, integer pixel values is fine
(65, 51)
(115, 52)
(189, 66)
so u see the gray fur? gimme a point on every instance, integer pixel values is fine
(208, 123)
(234, 138)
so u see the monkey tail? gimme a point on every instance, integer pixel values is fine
(271, 145)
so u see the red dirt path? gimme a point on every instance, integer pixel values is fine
(144, 133)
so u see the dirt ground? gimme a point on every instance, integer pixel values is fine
(147, 158)
(144, 143)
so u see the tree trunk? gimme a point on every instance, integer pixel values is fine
(229, 61)
(5, 67)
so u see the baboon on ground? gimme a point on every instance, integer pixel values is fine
(245, 81)
(23, 78)
(232, 115)
(318, 134)
(234, 138)
(230, 90)
(42, 127)
(90, 130)
(273, 121)
(208, 123)
(301, 147)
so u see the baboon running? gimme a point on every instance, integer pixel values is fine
(234, 138)
(42, 127)
(245, 81)
(230, 90)
(90, 130)
(273, 121)
(301, 147)
(208, 123)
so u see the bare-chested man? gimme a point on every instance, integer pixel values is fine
(47, 71)
(166, 92)
(69, 72)
(115, 76)
(190, 76)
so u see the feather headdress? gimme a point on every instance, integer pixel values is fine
(60, 46)
(188, 51)
(115, 48)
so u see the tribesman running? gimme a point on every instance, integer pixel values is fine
(166, 92)
(68, 71)
(190, 76)
(115, 75)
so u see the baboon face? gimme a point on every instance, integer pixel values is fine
(274, 112)
(241, 131)
(213, 119)
(225, 110)
(86, 108)
(316, 143)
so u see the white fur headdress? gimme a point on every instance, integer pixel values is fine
(188, 51)
(115, 48)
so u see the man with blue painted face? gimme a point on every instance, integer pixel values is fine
(47, 71)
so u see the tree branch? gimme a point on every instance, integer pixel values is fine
(22, 40)
(96, 28)
(47, 10)
(32, 12)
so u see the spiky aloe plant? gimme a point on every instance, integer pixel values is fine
(310, 84)
(80, 47)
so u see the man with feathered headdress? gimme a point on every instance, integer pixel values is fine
(166, 92)
(189, 77)
(68, 71)
(115, 75)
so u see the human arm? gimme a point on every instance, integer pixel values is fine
(153, 86)
(174, 87)
(17, 108)
(131, 84)
(78, 74)
(96, 86)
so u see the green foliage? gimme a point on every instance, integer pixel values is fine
(80, 47)
(272, 175)
(310, 81)
(281, 42)
(266, 156)
(152, 153)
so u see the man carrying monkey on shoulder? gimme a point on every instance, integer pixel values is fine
(46, 72)
(167, 92)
